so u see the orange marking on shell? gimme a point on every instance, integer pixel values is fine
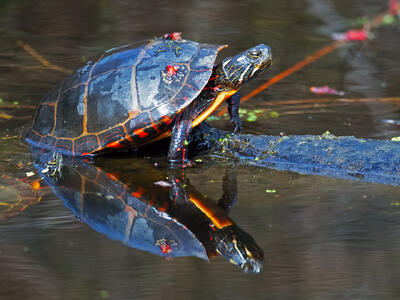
(153, 124)
(115, 145)
(155, 127)
(129, 138)
(113, 176)
(167, 120)
(163, 209)
(140, 191)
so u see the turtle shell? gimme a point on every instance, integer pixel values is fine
(127, 98)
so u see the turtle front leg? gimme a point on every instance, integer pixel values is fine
(233, 109)
(177, 153)
(229, 188)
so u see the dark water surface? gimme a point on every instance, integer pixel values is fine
(322, 238)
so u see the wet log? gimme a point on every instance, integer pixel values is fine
(345, 157)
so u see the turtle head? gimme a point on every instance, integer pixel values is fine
(245, 66)
(240, 249)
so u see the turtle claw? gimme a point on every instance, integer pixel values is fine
(238, 126)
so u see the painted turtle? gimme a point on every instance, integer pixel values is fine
(133, 96)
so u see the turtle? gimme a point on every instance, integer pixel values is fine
(134, 95)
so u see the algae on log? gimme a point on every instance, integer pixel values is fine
(344, 157)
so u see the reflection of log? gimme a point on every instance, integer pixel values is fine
(328, 155)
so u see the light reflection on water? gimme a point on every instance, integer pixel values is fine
(322, 238)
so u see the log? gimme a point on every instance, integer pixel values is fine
(345, 157)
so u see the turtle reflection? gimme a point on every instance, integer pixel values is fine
(170, 219)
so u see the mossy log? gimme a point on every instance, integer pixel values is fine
(344, 157)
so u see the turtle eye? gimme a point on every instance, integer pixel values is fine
(254, 54)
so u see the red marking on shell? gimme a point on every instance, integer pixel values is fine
(165, 248)
(176, 36)
(112, 176)
(140, 132)
(172, 70)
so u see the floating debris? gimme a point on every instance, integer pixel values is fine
(352, 35)
(394, 7)
(163, 183)
(388, 20)
(5, 116)
(104, 294)
(321, 90)
(391, 122)
(274, 114)
(251, 117)
(396, 139)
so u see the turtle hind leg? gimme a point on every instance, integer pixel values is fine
(233, 109)
(177, 153)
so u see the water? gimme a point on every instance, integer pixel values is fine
(322, 238)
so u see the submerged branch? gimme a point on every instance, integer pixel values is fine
(32, 52)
